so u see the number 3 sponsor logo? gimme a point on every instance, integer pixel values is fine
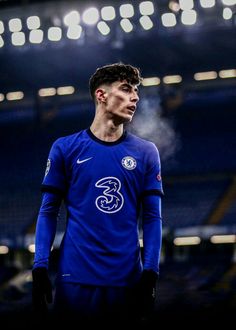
(111, 200)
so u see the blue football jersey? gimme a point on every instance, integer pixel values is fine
(102, 184)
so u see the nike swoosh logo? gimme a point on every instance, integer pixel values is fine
(83, 160)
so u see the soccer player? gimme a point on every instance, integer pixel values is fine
(108, 179)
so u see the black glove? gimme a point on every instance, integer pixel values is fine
(41, 289)
(147, 287)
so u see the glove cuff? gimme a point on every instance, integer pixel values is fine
(149, 276)
(39, 273)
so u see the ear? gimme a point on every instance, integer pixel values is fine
(100, 95)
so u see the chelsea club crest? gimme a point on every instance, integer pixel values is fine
(129, 163)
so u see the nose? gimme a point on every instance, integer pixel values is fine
(135, 97)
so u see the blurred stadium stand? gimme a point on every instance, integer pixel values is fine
(193, 125)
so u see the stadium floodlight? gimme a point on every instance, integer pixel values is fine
(15, 25)
(146, 22)
(72, 18)
(173, 79)
(65, 90)
(1, 27)
(207, 75)
(146, 8)
(174, 6)
(220, 239)
(186, 4)
(108, 13)
(43, 92)
(1, 42)
(54, 33)
(2, 97)
(227, 13)
(33, 22)
(230, 73)
(168, 19)
(14, 96)
(18, 38)
(90, 16)
(4, 249)
(189, 17)
(187, 240)
(126, 25)
(31, 248)
(152, 81)
(74, 32)
(103, 28)
(36, 36)
(207, 3)
(126, 11)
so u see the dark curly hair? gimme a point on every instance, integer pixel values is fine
(114, 72)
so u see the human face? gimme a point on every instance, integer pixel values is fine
(121, 101)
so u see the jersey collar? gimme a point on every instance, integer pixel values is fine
(105, 142)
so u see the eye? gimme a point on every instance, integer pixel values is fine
(125, 89)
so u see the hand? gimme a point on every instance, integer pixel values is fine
(147, 287)
(41, 290)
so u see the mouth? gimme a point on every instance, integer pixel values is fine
(132, 108)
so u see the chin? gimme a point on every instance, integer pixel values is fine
(128, 118)
(125, 119)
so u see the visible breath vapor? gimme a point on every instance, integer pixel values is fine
(148, 124)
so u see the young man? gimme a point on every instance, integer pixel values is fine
(106, 177)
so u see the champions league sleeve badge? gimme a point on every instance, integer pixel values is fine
(48, 167)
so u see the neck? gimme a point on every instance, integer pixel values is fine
(106, 131)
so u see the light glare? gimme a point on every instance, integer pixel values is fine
(73, 18)
(189, 17)
(108, 13)
(33, 22)
(54, 33)
(91, 16)
(126, 11)
(1, 42)
(168, 19)
(1, 27)
(18, 38)
(74, 32)
(186, 4)
(15, 25)
(227, 13)
(103, 28)
(36, 36)
(126, 25)
(229, 2)
(146, 8)
(146, 22)
(207, 3)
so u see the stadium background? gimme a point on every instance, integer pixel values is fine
(187, 109)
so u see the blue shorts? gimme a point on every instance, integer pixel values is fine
(91, 302)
